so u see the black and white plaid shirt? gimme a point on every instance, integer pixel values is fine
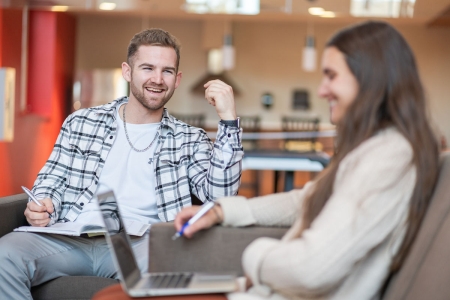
(186, 162)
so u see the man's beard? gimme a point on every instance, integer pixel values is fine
(139, 95)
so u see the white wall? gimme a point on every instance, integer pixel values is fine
(268, 60)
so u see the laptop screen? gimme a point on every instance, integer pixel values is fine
(120, 244)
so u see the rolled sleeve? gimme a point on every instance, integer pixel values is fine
(236, 212)
(252, 260)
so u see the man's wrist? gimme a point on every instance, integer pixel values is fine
(231, 123)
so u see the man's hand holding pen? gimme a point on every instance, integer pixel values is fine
(38, 212)
(39, 215)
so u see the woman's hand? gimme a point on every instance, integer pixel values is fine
(248, 283)
(212, 217)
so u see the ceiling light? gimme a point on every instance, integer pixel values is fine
(198, 9)
(309, 56)
(59, 8)
(228, 53)
(247, 7)
(328, 14)
(107, 6)
(215, 61)
(316, 11)
(382, 8)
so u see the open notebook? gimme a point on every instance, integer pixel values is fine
(94, 225)
(68, 228)
(155, 284)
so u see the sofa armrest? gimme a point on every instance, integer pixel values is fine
(11, 212)
(217, 249)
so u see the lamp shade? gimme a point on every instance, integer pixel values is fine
(228, 53)
(215, 61)
(309, 58)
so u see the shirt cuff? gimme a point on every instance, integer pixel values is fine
(231, 123)
(232, 135)
(56, 205)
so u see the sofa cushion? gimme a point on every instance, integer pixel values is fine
(425, 274)
(11, 212)
(71, 287)
(218, 249)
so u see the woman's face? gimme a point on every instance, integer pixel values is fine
(338, 85)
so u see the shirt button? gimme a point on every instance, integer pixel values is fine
(81, 204)
(111, 137)
(229, 135)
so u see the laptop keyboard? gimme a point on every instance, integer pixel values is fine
(169, 280)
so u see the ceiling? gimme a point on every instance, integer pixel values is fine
(426, 12)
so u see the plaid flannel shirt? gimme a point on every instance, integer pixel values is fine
(186, 161)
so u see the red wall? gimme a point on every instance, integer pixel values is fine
(51, 47)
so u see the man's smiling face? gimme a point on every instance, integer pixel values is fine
(153, 76)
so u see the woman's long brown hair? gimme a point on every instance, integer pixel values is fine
(390, 94)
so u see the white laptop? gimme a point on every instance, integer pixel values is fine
(153, 284)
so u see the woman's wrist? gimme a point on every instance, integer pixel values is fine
(217, 209)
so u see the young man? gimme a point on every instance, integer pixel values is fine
(152, 161)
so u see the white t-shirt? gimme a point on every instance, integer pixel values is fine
(130, 174)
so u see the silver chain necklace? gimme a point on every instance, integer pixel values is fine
(128, 138)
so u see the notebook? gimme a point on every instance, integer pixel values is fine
(136, 284)
(68, 228)
(92, 225)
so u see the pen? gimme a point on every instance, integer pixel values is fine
(205, 208)
(30, 194)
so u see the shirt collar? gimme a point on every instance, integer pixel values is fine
(168, 120)
(110, 108)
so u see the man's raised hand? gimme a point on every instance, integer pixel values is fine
(220, 95)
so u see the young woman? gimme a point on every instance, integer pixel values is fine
(354, 224)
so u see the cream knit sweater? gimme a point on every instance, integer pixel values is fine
(347, 251)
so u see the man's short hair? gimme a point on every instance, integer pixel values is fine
(156, 37)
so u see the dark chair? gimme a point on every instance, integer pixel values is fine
(196, 120)
(250, 124)
(300, 124)
(298, 144)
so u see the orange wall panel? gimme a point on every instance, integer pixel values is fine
(10, 45)
(1, 35)
(41, 62)
(51, 56)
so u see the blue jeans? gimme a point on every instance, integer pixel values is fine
(29, 259)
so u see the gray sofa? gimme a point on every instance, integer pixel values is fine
(84, 287)
(424, 275)
(71, 287)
